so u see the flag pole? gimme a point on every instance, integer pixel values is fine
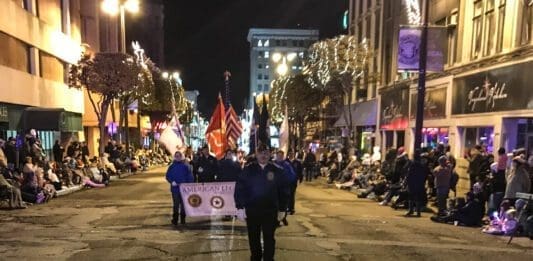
(227, 98)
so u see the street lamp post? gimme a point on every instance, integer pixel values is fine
(119, 7)
(421, 82)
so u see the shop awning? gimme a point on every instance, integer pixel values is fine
(363, 114)
(51, 119)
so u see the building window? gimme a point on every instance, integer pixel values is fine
(278, 43)
(267, 43)
(260, 66)
(452, 38)
(284, 42)
(501, 25)
(490, 24)
(25, 4)
(14, 53)
(267, 66)
(359, 31)
(527, 21)
(360, 6)
(368, 24)
(267, 54)
(259, 87)
(376, 29)
(477, 29)
(51, 68)
(294, 43)
(259, 43)
(301, 43)
(260, 76)
(301, 55)
(266, 77)
(261, 54)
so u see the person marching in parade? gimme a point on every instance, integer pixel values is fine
(284, 163)
(178, 172)
(261, 196)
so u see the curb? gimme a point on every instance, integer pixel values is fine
(69, 190)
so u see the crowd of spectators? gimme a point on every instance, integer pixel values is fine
(29, 176)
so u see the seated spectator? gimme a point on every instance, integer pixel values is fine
(52, 177)
(11, 193)
(469, 215)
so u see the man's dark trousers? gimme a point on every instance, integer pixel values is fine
(257, 223)
(178, 207)
(292, 196)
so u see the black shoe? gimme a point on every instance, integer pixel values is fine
(182, 221)
(291, 212)
(174, 222)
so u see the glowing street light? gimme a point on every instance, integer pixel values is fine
(276, 57)
(282, 69)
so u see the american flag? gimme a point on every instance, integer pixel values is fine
(233, 127)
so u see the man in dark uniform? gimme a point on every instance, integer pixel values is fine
(262, 190)
(206, 166)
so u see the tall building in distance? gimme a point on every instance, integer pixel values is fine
(270, 48)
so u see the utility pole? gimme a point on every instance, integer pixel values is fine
(421, 89)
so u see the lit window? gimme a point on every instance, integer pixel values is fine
(301, 54)
(267, 54)
(267, 66)
(294, 67)
(267, 43)
(260, 43)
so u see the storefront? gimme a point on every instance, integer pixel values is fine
(394, 118)
(436, 129)
(363, 122)
(493, 108)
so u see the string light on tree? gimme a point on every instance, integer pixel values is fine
(413, 11)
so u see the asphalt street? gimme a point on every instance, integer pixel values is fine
(130, 220)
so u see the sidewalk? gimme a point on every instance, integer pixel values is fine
(69, 190)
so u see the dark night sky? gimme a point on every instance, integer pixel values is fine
(205, 38)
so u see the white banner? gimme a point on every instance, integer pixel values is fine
(208, 199)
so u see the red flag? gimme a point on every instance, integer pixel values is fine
(233, 127)
(216, 131)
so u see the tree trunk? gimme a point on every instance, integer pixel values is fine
(101, 124)
(127, 129)
(139, 128)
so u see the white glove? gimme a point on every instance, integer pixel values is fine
(281, 215)
(241, 214)
(174, 184)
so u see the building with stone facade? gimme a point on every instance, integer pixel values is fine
(482, 96)
(38, 40)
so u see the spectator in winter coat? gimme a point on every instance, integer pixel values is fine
(11, 152)
(178, 173)
(58, 151)
(13, 194)
(309, 165)
(442, 175)
(229, 168)
(517, 179)
(416, 180)
(474, 168)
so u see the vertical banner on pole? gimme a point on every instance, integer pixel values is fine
(409, 48)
